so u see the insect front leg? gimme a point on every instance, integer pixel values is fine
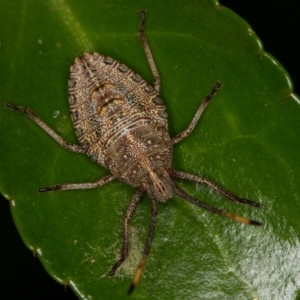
(78, 186)
(31, 114)
(148, 52)
(197, 116)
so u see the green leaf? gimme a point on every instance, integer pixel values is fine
(247, 141)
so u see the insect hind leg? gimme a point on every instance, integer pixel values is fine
(147, 248)
(214, 210)
(199, 179)
(129, 213)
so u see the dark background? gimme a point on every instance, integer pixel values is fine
(22, 275)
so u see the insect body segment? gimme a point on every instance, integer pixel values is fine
(119, 119)
(121, 123)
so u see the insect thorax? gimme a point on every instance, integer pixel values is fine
(119, 118)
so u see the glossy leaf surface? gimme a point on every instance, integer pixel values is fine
(248, 141)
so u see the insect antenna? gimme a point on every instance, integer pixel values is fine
(142, 263)
(214, 210)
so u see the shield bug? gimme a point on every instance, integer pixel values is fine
(121, 123)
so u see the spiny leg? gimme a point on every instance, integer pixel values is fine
(219, 189)
(76, 186)
(214, 210)
(197, 116)
(124, 251)
(141, 265)
(147, 50)
(31, 114)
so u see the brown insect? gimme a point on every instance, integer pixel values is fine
(121, 123)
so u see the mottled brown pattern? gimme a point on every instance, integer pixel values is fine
(121, 123)
(119, 118)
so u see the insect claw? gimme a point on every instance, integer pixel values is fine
(21, 109)
(116, 267)
(131, 289)
(246, 201)
(14, 107)
(256, 223)
(9, 105)
(143, 20)
(48, 189)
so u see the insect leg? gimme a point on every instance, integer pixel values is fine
(147, 50)
(77, 186)
(214, 210)
(219, 189)
(141, 265)
(31, 114)
(124, 251)
(197, 116)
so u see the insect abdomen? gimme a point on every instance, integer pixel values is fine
(109, 103)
